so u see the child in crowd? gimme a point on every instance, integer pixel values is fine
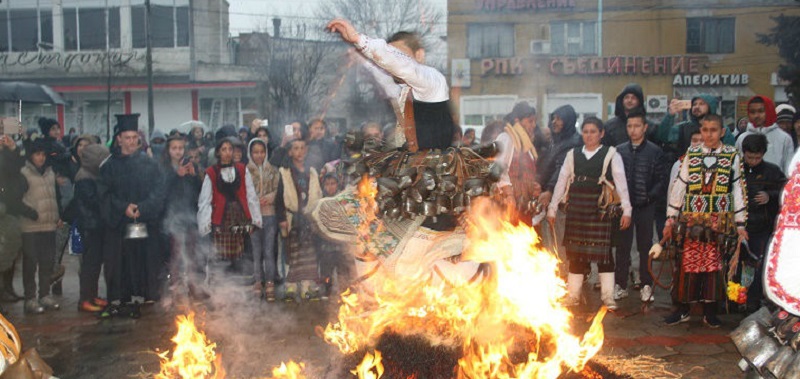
(764, 182)
(228, 204)
(709, 188)
(298, 193)
(39, 232)
(330, 254)
(644, 170)
(265, 180)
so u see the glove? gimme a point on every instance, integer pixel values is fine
(655, 250)
(29, 212)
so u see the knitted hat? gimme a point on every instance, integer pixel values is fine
(785, 112)
(45, 124)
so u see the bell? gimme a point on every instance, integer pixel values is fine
(410, 207)
(762, 316)
(793, 368)
(136, 230)
(458, 203)
(473, 187)
(388, 187)
(443, 204)
(495, 171)
(429, 209)
(760, 352)
(795, 342)
(787, 329)
(747, 334)
(448, 184)
(779, 363)
(405, 182)
(487, 151)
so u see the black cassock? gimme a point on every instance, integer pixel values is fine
(133, 267)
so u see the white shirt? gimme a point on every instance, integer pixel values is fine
(567, 173)
(780, 147)
(204, 202)
(504, 156)
(678, 194)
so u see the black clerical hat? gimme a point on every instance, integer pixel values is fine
(126, 123)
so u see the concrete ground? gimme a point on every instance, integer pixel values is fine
(254, 336)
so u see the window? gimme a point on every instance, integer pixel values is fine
(490, 40)
(92, 28)
(4, 31)
(710, 35)
(24, 32)
(573, 38)
(478, 111)
(169, 26)
(70, 29)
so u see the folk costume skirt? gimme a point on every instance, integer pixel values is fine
(301, 252)
(587, 238)
(230, 245)
(701, 277)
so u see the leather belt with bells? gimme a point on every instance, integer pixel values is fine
(409, 125)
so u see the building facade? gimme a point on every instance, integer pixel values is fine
(583, 52)
(93, 53)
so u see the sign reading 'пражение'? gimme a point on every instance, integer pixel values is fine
(522, 5)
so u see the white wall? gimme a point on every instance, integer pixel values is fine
(172, 108)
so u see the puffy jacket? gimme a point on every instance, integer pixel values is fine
(645, 171)
(768, 178)
(41, 196)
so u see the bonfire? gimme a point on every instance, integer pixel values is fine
(510, 324)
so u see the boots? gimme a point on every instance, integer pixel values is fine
(607, 290)
(574, 286)
(710, 315)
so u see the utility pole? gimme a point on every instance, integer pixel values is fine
(151, 119)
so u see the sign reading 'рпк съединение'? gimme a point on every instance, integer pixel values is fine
(522, 5)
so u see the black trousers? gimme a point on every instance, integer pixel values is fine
(642, 224)
(38, 253)
(133, 267)
(91, 263)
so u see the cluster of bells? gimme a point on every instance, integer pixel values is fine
(705, 228)
(769, 343)
(426, 183)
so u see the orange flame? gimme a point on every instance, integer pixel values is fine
(521, 305)
(193, 356)
(289, 370)
(370, 368)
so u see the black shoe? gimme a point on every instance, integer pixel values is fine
(134, 311)
(56, 288)
(112, 310)
(677, 318)
(712, 321)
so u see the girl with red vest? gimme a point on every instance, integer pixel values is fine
(228, 204)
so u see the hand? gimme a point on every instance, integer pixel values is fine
(545, 198)
(132, 211)
(30, 213)
(668, 227)
(551, 220)
(262, 201)
(344, 28)
(537, 189)
(761, 198)
(182, 171)
(190, 169)
(624, 222)
(655, 250)
(674, 107)
(8, 142)
(61, 180)
(284, 225)
(742, 233)
(60, 224)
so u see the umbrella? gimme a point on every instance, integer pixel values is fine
(27, 92)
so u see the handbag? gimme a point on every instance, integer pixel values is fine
(609, 203)
(75, 241)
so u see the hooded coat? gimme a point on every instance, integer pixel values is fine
(265, 178)
(676, 138)
(617, 127)
(550, 163)
(780, 148)
(132, 179)
(182, 193)
(84, 210)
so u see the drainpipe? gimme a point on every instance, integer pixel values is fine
(599, 28)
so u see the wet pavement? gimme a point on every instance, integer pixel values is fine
(254, 336)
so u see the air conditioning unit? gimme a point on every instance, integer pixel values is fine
(656, 104)
(540, 47)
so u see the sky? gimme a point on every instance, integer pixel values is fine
(250, 15)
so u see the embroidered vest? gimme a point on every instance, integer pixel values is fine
(218, 201)
(709, 188)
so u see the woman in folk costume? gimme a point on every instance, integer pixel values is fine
(298, 193)
(518, 158)
(588, 227)
(228, 204)
(709, 190)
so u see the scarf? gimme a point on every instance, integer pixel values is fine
(522, 141)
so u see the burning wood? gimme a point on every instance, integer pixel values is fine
(193, 356)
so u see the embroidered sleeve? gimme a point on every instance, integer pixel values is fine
(678, 193)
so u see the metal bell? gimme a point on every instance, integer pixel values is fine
(410, 206)
(488, 150)
(779, 363)
(747, 334)
(136, 230)
(457, 203)
(429, 209)
(443, 205)
(388, 187)
(760, 352)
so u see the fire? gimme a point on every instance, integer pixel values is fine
(370, 368)
(193, 356)
(519, 308)
(289, 370)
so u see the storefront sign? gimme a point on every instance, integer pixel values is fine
(624, 65)
(67, 61)
(501, 66)
(522, 5)
(711, 80)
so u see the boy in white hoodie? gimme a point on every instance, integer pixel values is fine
(763, 120)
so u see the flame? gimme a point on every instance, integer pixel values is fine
(370, 368)
(289, 370)
(193, 356)
(520, 306)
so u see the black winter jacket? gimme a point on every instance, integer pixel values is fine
(645, 171)
(551, 160)
(768, 178)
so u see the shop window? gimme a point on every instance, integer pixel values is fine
(710, 35)
(490, 40)
(573, 38)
